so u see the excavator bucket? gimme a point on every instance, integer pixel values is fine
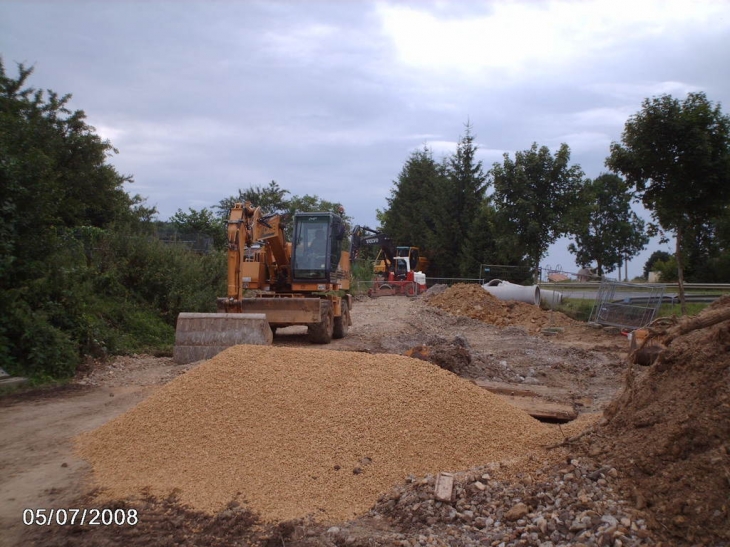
(203, 335)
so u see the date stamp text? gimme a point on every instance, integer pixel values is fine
(80, 517)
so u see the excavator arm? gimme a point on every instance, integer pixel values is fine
(248, 267)
(360, 238)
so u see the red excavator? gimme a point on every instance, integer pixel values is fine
(398, 276)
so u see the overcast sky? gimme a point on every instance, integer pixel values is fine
(330, 98)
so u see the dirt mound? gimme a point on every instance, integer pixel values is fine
(473, 301)
(291, 432)
(669, 431)
(453, 355)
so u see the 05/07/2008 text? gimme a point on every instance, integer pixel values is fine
(81, 517)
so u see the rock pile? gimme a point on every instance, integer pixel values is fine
(573, 503)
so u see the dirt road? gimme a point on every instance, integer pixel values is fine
(39, 470)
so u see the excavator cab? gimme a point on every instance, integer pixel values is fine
(317, 246)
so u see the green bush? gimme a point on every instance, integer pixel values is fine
(39, 349)
(119, 295)
(80, 272)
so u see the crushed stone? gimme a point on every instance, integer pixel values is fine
(291, 432)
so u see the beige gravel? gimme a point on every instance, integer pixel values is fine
(295, 432)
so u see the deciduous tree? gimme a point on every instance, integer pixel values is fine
(271, 199)
(533, 195)
(676, 154)
(605, 228)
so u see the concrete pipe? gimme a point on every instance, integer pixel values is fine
(551, 298)
(505, 290)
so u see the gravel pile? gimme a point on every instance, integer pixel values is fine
(294, 432)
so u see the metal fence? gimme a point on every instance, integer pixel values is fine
(626, 305)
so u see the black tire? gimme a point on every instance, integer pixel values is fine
(321, 333)
(342, 323)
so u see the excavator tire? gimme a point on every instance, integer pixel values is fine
(200, 336)
(342, 323)
(321, 333)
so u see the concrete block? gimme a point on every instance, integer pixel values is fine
(201, 336)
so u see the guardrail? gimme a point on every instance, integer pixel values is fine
(593, 285)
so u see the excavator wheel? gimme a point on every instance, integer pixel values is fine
(342, 322)
(321, 333)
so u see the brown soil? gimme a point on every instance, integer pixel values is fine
(667, 433)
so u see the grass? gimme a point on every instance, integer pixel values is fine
(693, 308)
(580, 308)
(575, 308)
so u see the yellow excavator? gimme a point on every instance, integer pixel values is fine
(274, 283)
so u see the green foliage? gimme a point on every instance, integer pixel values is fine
(201, 223)
(413, 208)
(667, 269)
(606, 230)
(533, 195)
(717, 269)
(466, 186)
(437, 206)
(656, 256)
(576, 308)
(271, 199)
(677, 156)
(362, 276)
(80, 273)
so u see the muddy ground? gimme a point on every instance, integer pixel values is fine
(39, 470)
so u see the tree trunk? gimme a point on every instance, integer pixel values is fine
(706, 319)
(680, 272)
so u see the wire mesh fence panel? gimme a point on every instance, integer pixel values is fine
(626, 305)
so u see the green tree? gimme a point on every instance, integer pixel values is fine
(605, 228)
(656, 256)
(493, 245)
(533, 195)
(717, 267)
(53, 171)
(467, 184)
(271, 199)
(667, 269)
(677, 157)
(410, 218)
(54, 181)
(201, 223)
(435, 206)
